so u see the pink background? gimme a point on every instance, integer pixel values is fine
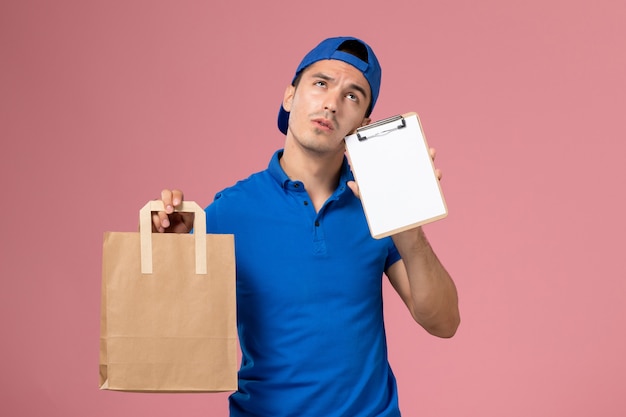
(103, 103)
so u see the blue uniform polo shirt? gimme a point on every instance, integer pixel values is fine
(309, 300)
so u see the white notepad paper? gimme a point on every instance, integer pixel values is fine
(391, 164)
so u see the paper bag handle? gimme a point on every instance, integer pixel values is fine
(145, 232)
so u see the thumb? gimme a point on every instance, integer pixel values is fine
(354, 187)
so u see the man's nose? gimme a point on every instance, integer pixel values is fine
(331, 102)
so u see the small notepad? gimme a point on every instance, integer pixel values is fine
(392, 166)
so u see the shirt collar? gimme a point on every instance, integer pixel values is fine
(279, 175)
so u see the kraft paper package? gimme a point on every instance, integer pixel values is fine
(168, 311)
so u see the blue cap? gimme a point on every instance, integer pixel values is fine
(331, 49)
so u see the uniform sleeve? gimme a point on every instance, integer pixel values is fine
(393, 255)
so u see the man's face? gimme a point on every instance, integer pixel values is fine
(329, 102)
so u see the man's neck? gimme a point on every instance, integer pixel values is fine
(318, 172)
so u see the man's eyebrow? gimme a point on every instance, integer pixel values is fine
(323, 76)
(353, 86)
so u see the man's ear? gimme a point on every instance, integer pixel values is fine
(288, 97)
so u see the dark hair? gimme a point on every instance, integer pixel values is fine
(356, 48)
(352, 47)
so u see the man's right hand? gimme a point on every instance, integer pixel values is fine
(170, 221)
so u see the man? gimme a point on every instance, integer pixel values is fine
(309, 276)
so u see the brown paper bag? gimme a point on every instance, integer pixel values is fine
(168, 309)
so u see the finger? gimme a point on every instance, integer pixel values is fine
(433, 153)
(354, 187)
(165, 219)
(177, 198)
(438, 173)
(166, 197)
(157, 223)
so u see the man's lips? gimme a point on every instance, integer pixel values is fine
(324, 123)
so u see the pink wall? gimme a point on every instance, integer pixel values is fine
(103, 103)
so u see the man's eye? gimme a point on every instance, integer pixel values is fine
(320, 83)
(352, 97)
